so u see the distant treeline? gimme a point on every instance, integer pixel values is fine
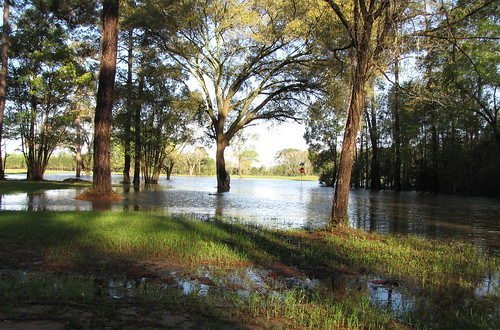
(189, 163)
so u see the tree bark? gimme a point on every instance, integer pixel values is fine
(169, 169)
(359, 165)
(138, 141)
(397, 128)
(357, 104)
(435, 185)
(366, 50)
(223, 179)
(3, 75)
(78, 159)
(78, 156)
(102, 123)
(128, 111)
(30, 159)
(375, 161)
(366, 161)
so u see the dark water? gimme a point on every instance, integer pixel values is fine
(293, 204)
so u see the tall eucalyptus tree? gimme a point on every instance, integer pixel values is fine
(369, 25)
(101, 182)
(4, 53)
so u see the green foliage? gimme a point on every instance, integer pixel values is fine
(45, 77)
(324, 126)
(15, 161)
(250, 60)
(289, 161)
(244, 154)
(195, 162)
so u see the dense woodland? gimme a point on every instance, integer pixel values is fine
(395, 94)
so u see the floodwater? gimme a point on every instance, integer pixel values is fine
(401, 299)
(291, 204)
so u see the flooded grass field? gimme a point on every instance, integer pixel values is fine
(249, 263)
(290, 204)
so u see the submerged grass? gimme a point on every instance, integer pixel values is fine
(58, 295)
(128, 243)
(298, 309)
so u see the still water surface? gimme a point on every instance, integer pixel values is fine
(292, 204)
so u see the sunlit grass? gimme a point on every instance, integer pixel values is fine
(78, 238)
(298, 309)
(97, 243)
(281, 177)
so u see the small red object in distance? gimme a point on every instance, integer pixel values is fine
(302, 170)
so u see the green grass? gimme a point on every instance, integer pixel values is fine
(80, 236)
(281, 177)
(27, 186)
(130, 243)
(80, 246)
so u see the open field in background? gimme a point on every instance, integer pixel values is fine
(278, 177)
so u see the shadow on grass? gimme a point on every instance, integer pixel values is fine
(111, 243)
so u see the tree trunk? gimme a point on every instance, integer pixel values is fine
(169, 169)
(3, 75)
(375, 161)
(435, 149)
(335, 164)
(78, 151)
(397, 128)
(128, 114)
(366, 50)
(103, 116)
(138, 141)
(223, 179)
(365, 164)
(357, 104)
(360, 165)
(30, 138)
(35, 171)
(78, 159)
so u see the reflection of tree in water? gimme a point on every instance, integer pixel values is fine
(126, 192)
(101, 206)
(219, 205)
(144, 197)
(380, 211)
(31, 202)
(339, 283)
(399, 214)
(36, 202)
(318, 207)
